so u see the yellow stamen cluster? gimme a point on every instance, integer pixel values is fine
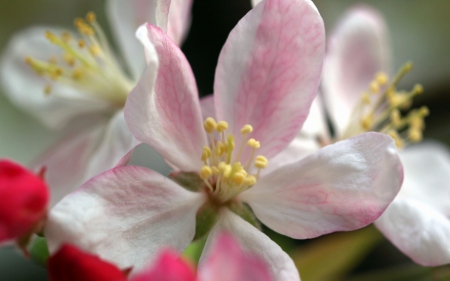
(380, 110)
(226, 178)
(86, 63)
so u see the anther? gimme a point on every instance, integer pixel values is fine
(51, 37)
(81, 43)
(205, 172)
(395, 118)
(261, 162)
(221, 126)
(65, 35)
(238, 178)
(366, 98)
(250, 180)
(247, 129)
(210, 125)
(374, 87)
(77, 74)
(206, 153)
(415, 134)
(381, 78)
(95, 50)
(90, 17)
(418, 89)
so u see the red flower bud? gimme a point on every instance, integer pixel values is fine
(24, 197)
(71, 264)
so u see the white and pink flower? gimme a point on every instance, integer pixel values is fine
(418, 220)
(81, 87)
(266, 79)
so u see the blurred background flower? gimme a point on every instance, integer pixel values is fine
(419, 32)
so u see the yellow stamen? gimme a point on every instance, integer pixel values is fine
(209, 125)
(90, 17)
(221, 126)
(205, 172)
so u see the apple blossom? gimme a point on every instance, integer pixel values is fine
(227, 261)
(267, 76)
(360, 97)
(24, 202)
(76, 83)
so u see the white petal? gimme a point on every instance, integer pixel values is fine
(125, 17)
(84, 152)
(179, 20)
(341, 187)
(357, 49)
(26, 89)
(207, 106)
(255, 242)
(427, 175)
(418, 230)
(299, 148)
(125, 215)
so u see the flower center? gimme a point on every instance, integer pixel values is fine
(223, 173)
(87, 64)
(381, 106)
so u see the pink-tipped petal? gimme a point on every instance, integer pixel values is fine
(418, 230)
(125, 215)
(344, 186)
(227, 261)
(207, 106)
(357, 50)
(254, 243)
(269, 70)
(179, 20)
(26, 88)
(85, 151)
(163, 110)
(167, 267)
(125, 17)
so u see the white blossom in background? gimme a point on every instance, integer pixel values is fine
(360, 97)
(75, 82)
(267, 77)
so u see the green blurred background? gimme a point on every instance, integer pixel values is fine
(420, 32)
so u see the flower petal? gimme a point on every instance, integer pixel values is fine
(427, 175)
(25, 88)
(84, 152)
(255, 2)
(418, 230)
(125, 17)
(69, 263)
(228, 262)
(207, 106)
(299, 148)
(269, 70)
(179, 20)
(163, 110)
(344, 186)
(167, 267)
(357, 50)
(254, 242)
(125, 215)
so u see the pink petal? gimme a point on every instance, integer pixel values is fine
(254, 244)
(357, 50)
(164, 111)
(418, 230)
(179, 20)
(85, 151)
(268, 72)
(25, 88)
(427, 175)
(207, 106)
(344, 186)
(125, 216)
(228, 262)
(125, 17)
(168, 267)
